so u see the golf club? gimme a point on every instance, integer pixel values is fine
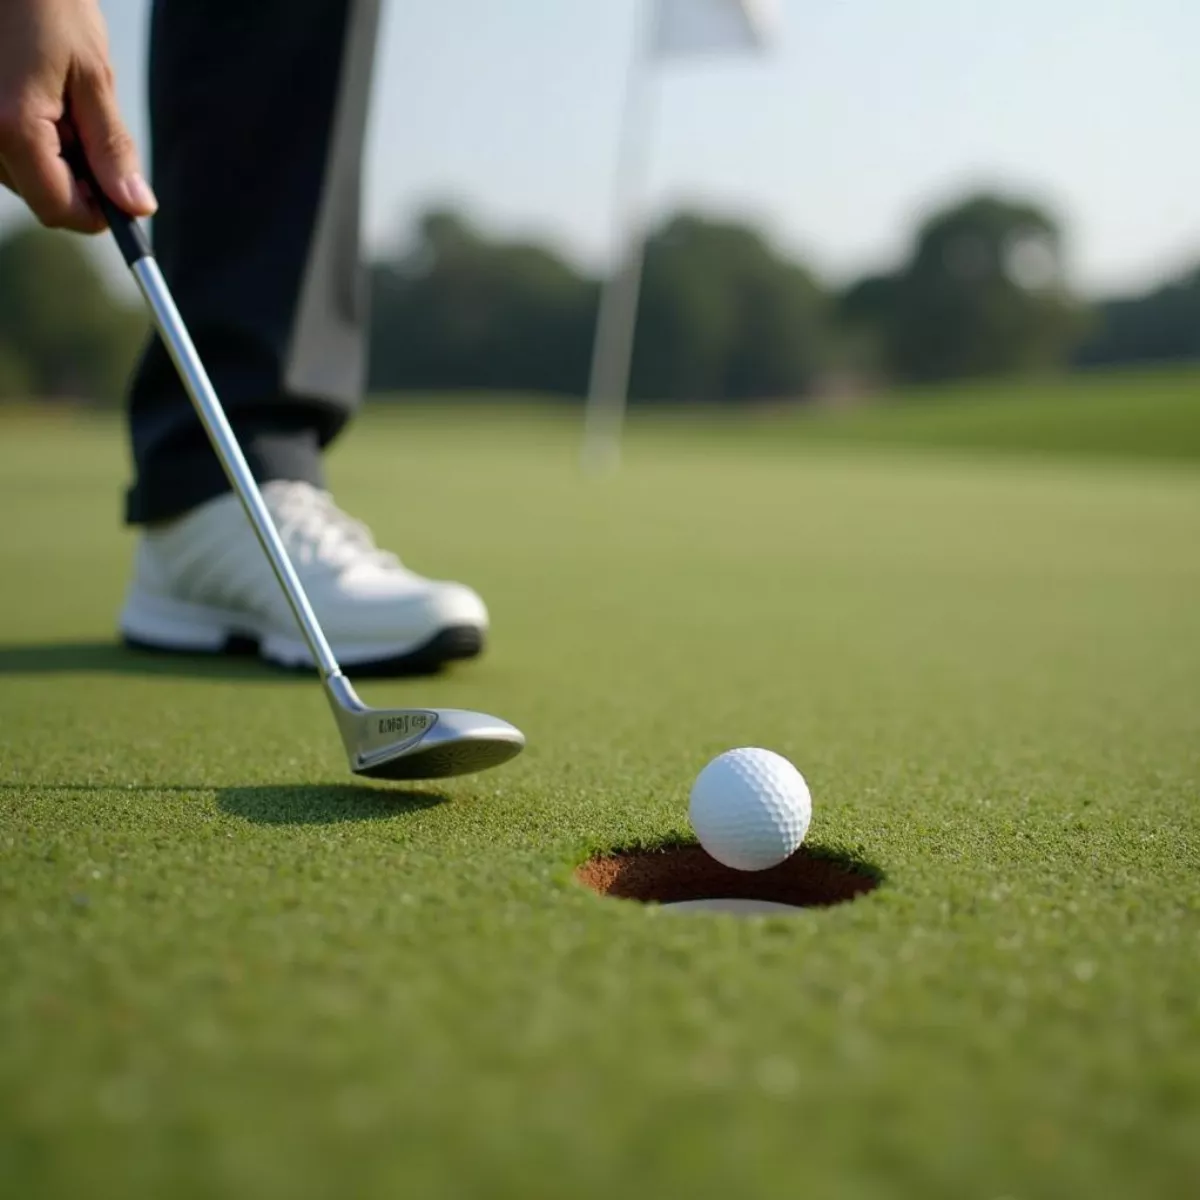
(402, 743)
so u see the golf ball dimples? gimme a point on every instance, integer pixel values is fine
(750, 809)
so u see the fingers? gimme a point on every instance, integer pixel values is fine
(31, 166)
(110, 149)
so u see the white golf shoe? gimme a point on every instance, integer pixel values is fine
(202, 585)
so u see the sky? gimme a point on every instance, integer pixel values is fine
(864, 114)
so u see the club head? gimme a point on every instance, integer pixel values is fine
(419, 743)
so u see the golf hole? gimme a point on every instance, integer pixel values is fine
(688, 879)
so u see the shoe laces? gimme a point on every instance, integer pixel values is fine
(318, 533)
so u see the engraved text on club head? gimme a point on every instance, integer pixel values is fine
(403, 725)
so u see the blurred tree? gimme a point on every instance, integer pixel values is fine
(863, 317)
(722, 316)
(983, 293)
(62, 334)
(725, 317)
(15, 381)
(459, 311)
(1163, 325)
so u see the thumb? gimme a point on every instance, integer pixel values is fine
(108, 145)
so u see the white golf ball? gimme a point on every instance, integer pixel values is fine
(750, 809)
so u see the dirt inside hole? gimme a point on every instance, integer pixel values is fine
(677, 874)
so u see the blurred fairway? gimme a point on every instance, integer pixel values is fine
(1125, 415)
(230, 971)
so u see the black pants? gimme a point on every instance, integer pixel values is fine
(257, 112)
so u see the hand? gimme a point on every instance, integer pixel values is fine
(55, 78)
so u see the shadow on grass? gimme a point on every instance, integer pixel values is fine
(240, 661)
(316, 804)
(275, 804)
(112, 658)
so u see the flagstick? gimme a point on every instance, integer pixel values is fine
(616, 325)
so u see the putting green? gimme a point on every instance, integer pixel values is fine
(230, 970)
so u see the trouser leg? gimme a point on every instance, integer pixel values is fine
(258, 110)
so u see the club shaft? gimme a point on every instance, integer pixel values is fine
(178, 342)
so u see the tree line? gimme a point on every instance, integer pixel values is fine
(725, 314)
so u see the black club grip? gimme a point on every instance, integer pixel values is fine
(130, 237)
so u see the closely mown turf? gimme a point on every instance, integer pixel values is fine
(1125, 415)
(228, 970)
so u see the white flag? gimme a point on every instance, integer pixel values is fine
(691, 27)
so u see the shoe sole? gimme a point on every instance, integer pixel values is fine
(181, 630)
(454, 644)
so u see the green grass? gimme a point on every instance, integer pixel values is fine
(1145, 415)
(227, 970)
